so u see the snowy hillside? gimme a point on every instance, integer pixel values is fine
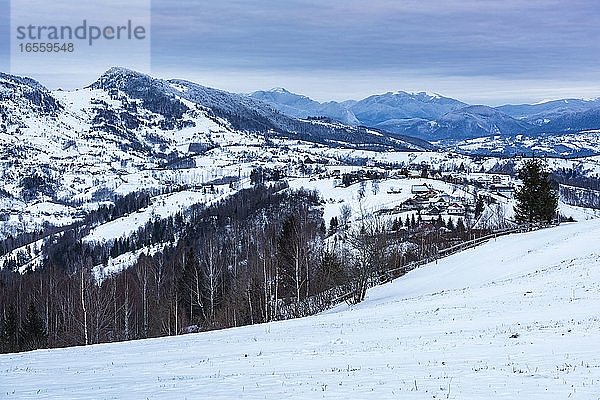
(514, 318)
(580, 144)
(129, 131)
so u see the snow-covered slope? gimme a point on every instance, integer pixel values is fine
(514, 318)
(129, 131)
(580, 144)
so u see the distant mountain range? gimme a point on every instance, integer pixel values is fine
(149, 117)
(173, 106)
(435, 117)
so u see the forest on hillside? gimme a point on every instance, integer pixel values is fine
(262, 254)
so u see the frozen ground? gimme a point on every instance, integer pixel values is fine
(515, 318)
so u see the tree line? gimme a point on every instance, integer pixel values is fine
(235, 263)
(260, 255)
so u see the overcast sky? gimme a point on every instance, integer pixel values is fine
(478, 51)
(4, 35)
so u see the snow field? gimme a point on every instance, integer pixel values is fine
(517, 317)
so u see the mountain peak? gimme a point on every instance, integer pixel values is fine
(281, 95)
(280, 90)
(120, 71)
(117, 77)
(428, 94)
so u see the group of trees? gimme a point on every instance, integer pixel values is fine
(243, 261)
(413, 222)
(260, 255)
(580, 197)
(27, 334)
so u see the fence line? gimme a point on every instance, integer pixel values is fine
(395, 273)
(337, 295)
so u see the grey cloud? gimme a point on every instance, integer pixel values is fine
(449, 37)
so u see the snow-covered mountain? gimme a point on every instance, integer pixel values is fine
(299, 106)
(65, 154)
(435, 117)
(467, 122)
(240, 112)
(514, 318)
(529, 111)
(128, 131)
(376, 110)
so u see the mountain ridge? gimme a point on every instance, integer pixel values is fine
(421, 114)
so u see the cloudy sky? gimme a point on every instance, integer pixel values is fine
(4, 35)
(478, 51)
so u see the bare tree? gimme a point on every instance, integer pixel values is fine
(84, 284)
(143, 281)
(369, 243)
(212, 269)
(345, 215)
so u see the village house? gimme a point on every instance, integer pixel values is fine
(422, 189)
(409, 205)
(501, 189)
(434, 210)
(456, 209)
(443, 200)
(414, 174)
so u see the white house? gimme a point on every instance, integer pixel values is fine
(420, 189)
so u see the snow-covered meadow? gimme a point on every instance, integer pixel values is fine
(518, 317)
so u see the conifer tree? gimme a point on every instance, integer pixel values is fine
(9, 331)
(460, 227)
(33, 330)
(537, 200)
(450, 224)
(479, 206)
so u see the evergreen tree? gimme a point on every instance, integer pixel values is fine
(333, 225)
(9, 331)
(439, 222)
(33, 330)
(332, 272)
(479, 206)
(460, 227)
(537, 200)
